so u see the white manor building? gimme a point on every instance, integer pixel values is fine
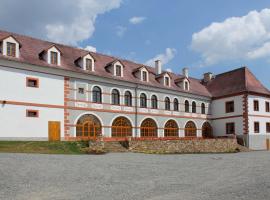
(46, 87)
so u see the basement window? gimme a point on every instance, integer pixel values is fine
(230, 128)
(256, 127)
(32, 82)
(32, 113)
(81, 90)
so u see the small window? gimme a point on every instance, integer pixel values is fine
(88, 64)
(32, 82)
(81, 90)
(11, 49)
(167, 81)
(143, 101)
(115, 97)
(118, 70)
(256, 105)
(186, 106)
(128, 99)
(167, 103)
(144, 76)
(229, 106)
(256, 127)
(194, 106)
(203, 108)
(175, 105)
(267, 106)
(230, 128)
(97, 95)
(31, 113)
(267, 127)
(154, 102)
(54, 58)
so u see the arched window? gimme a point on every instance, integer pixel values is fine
(149, 128)
(128, 98)
(175, 105)
(121, 127)
(171, 129)
(207, 131)
(167, 103)
(154, 102)
(190, 129)
(88, 126)
(186, 106)
(96, 95)
(143, 101)
(203, 108)
(115, 97)
(193, 107)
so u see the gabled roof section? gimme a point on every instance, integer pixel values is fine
(139, 68)
(163, 74)
(181, 79)
(113, 62)
(2, 39)
(88, 53)
(48, 48)
(235, 81)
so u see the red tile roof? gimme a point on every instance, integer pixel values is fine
(235, 81)
(231, 82)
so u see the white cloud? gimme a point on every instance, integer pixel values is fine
(168, 70)
(68, 22)
(120, 31)
(236, 38)
(91, 48)
(137, 20)
(165, 58)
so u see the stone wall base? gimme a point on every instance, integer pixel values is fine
(221, 145)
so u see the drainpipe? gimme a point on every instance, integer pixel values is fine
(136, 111)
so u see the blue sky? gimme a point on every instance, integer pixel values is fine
(180, 32)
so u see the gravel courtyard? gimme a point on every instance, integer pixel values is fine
(119, 176)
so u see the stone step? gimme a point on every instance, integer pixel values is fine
(115, 146)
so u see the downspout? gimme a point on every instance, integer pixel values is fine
(136, 111)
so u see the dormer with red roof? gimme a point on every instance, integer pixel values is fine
(142, 73)
(10, 46)
(116, 68)
(52, 55)
(86, 62)
(164, 78)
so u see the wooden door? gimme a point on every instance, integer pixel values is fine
(54, 130)
(268, 144)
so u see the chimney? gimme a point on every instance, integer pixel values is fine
(185, 72)
(207, 77)
(158, 67)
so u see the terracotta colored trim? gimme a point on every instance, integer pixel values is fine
(245, 114)
(227, 117)
(98, 110)
(33, 79)
(27, 113)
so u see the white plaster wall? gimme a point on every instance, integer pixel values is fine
(13, 87)
(219, 126)
(218, 107)
(15, 124)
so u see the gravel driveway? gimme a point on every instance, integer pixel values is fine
(118, 176)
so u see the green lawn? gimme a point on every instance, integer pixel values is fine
(43, 147)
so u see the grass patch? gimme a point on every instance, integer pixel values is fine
(43, 147)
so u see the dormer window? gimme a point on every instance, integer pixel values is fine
(167, 81)
(54, 58)
(88, 64)
(144, 76)
(11, 49)
(186, 85)
(118, 70)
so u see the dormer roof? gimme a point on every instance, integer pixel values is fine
(2, 39)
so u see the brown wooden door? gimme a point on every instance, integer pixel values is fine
(268, 144)
(54, 130)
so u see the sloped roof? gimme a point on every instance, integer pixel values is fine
(235, 81)
(31, 47)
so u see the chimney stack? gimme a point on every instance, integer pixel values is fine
(207, 77)
(158, 67)
(185, 72)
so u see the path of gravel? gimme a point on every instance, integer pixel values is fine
(119, 176)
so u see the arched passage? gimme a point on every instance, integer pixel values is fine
(149, 128)
(171, 129)
(207, 131)
(190, 129)
(121, 127)
(88, 126)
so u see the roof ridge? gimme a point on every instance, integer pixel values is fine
(233, 70)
